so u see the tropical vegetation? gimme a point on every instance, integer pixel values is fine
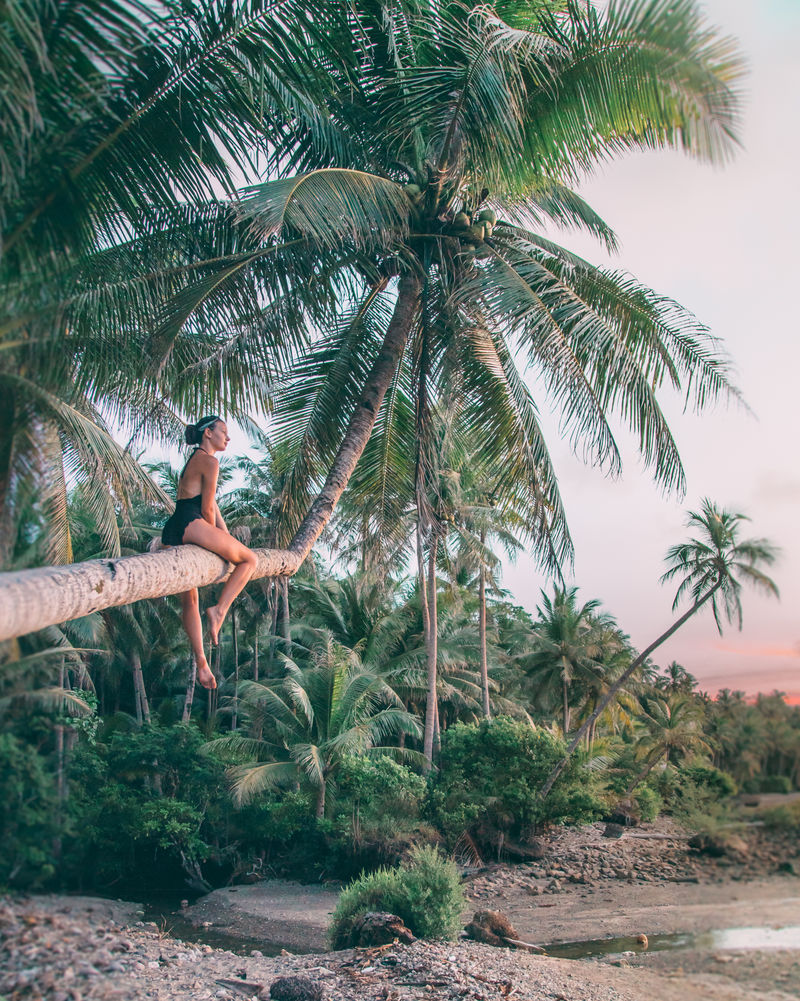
(340, 224)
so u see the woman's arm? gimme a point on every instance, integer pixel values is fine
(219, 521)
(208, 500)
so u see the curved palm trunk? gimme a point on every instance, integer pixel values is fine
(617, 685)
(565, 699)
(33, 599)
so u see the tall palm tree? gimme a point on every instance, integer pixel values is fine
(568, 645)
(713, 566)
(310, 719)
(444, 147)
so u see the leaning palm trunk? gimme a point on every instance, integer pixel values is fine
(618, 684)
(33, 599)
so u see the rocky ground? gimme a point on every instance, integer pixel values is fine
(586, 886)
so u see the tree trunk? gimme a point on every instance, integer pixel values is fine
(273, 634)
(255, 655)
(320, 807)
(565, 700)
(487, 710)
(33, 599)
(190, 683)
(645, 772)
(235, 708)
(60, 761)
(431, 705)
(285, 621)
(617, 685)
(140, 695)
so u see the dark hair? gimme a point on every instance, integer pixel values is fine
(194, 432)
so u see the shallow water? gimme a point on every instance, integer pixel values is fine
(176, 926)
(718, 940)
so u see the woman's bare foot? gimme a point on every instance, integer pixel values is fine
(204, 675)
(215, 620)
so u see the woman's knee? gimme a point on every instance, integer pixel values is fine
(249, 559)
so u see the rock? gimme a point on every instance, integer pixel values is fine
(719, 844)
(491, 927)
(625, 812)
(296, 988)
(613, 831)
(378, 928)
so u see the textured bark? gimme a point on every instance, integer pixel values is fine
(33, 599)
(612, 691)
(363, 420)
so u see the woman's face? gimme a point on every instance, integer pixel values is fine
(217, 436)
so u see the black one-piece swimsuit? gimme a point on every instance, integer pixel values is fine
(186, 511)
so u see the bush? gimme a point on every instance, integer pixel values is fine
(489, 779)
(28, 824)
(425, 893)
(649, 802)
(768, 783)
(783, 818)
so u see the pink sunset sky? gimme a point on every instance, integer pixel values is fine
(722, 242)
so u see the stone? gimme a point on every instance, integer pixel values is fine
(613, 831)
(297, 988)
(491, 927)
(378, 928)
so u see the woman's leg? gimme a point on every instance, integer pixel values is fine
(200, 533)
(190, 605)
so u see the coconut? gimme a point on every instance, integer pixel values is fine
(477, 231)
(488, 215)
(413, 189)
(487, 229)
(462, 220)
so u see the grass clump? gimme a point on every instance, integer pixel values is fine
(425, 893)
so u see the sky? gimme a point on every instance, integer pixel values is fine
(722, 242)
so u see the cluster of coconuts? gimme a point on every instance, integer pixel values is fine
(474, 232)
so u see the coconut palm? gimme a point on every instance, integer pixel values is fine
(568, 645)
(310, 719)
(444, 148)
(713, 566)
(673, 731)
(119, 122)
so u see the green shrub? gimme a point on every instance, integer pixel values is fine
(768, 783)
(489, 779)
(425, 893)
(28, 819)
(649, 802)
(783, 818)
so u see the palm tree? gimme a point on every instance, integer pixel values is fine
(119, 122)
(673, 731)
(713, 567)
(568, 645)
(454, 134)
(310, 719)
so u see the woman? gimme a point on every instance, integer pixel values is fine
(197, 519)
